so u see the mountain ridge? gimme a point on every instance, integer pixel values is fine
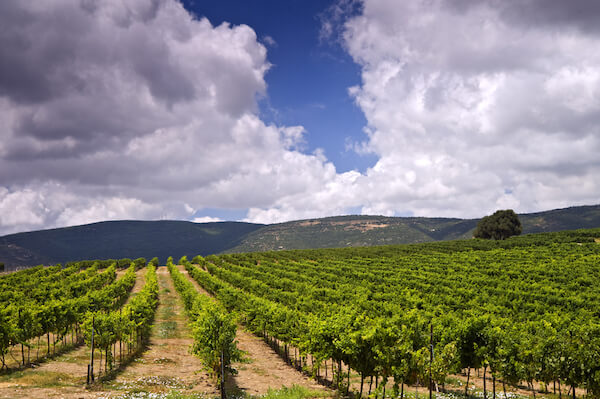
(121, 239)
(163, 238)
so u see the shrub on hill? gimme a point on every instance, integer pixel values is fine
(499, 226)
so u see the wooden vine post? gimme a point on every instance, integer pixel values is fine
(90, 374)
(430, 360)
(223, 396)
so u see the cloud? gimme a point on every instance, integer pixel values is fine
(135, 109)
(206, 219)
(473, 106)
(337, 194)
(30, 208)
(269, 41)
(333, 17)
(552, 14)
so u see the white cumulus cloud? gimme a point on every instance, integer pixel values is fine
(469, 109)
(135, 109)
(206, 219)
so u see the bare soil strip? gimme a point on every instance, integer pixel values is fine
(264, 369)
(167, 364)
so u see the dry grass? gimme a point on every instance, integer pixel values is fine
(45, 379)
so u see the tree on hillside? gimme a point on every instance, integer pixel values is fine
(1, 267)
(499, 226)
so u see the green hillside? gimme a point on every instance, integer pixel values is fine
(578, 217)
(132, 239)
(355, 231)
(122, 239)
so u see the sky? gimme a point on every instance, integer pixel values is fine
(267, 111)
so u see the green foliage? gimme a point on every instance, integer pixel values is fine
(472, 342)
(6, 330)
(130, 324)
(214, 335)
(44, 300)
(293, 392)
(139, 263)
(499, 226)
(525, 307)
(197, 259)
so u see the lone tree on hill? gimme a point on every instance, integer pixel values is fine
(500, 225)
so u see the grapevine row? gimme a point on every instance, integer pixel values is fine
(214, 329)
(130, 325)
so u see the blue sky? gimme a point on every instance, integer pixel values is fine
(156, 109)
(309, 80)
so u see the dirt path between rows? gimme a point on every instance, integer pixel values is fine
(265, 369)
(167, 364)
(140, 281)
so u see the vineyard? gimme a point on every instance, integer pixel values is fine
(54, 302)
(474, 318)
(522, 310)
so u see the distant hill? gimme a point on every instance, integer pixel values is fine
(345, 231)
(122, 239)
(132, 239)
(577, 217)
(353, 231)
